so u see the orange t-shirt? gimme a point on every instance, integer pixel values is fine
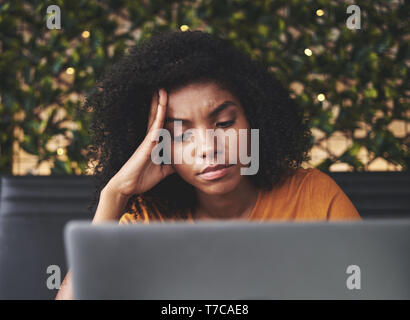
(307, 195)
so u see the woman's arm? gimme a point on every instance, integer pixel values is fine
(110, 208)
(138, 175)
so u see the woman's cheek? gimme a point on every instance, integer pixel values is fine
(185, 171)
(176, 153)
(244, 143)
(183, 168)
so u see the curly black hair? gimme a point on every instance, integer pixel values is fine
(122, 98)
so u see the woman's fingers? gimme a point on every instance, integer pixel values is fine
(158, 122)
(159, 98)
(163, 99)
(161, 111)
(153, 110)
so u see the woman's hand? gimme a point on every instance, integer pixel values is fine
(139, 174)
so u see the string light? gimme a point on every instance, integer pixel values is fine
(321, 97)
(308, 52)
(70, 70)
(320, 12)
(85, 34)
(184, 28)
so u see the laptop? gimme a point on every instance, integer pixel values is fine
(240, 260)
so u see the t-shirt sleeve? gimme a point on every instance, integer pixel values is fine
(341, 208)
(331, 199)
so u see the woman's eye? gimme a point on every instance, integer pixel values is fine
(225, 123)
(182, 137)
(186, 134)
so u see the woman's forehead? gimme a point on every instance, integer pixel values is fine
(198, 97)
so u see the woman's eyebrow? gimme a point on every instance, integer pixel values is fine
(220, 108)
(212, 114)
(170, 119)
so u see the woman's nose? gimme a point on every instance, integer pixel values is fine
(207, 146)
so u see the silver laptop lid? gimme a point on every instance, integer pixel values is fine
(240, 260)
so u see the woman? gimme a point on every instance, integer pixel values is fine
(191, 80)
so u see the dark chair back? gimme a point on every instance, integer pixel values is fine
(33, 212)
(377, 194)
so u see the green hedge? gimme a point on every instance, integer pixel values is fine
(364, 74)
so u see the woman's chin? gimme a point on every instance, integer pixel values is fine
(219, 187)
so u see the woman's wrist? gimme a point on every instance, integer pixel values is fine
(110, 206)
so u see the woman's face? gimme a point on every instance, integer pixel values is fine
(204, 106)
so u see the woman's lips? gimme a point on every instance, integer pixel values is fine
(212, 175)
